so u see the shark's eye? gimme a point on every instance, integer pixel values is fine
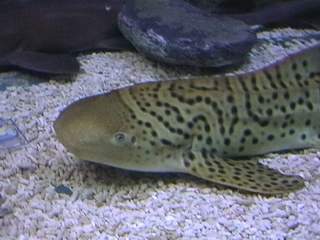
(120, 137)
(123, 139)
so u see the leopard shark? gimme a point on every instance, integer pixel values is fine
(213, 127)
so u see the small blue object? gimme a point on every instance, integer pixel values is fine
(10, 135)
(63, 189)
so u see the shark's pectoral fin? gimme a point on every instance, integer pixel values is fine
(247, 175)
(44, 62)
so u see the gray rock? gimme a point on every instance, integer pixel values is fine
(63, 190)
(176, 32)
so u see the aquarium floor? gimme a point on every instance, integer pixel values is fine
(99, 202)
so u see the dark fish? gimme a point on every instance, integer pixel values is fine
(42, 35)
(266, 12)
(284, 12)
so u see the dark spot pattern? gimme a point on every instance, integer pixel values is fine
(229, 116)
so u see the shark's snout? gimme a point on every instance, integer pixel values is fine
(87, 126)
(66, 130)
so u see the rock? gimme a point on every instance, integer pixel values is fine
(62, 189)
(176, 32)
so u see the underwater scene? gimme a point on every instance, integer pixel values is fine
(159, 119)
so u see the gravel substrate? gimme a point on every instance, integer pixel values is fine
(46, 193)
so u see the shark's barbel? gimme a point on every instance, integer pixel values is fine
(205, 126)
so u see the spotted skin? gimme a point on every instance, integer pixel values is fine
(206, 126)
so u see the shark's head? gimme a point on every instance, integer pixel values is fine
(98, 129)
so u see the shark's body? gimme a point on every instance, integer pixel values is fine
(203, 125)
(41, 35)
